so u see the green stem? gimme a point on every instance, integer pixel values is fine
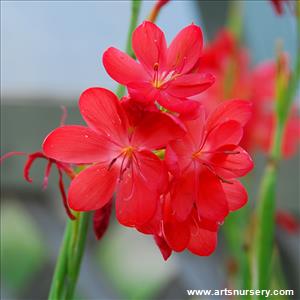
(75, 251)
(264, 238)
(235, 19)
(265, 229)
(135, 10)
(69, 259)
(61, 266)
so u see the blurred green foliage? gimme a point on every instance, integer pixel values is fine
(22, 250)
(121, 258)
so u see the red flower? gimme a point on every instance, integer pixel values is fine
(197, 235)
(260, 130)
(226, 60)
(166, 75)
(121, 153)
(230, 65)
(61, 167)
(203, 189)
(206, 162)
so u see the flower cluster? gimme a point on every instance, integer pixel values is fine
(229, 63)
(173, 166)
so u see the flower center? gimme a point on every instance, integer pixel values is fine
(127, 151)
(160, 78)
(202, 158)
(196, 154)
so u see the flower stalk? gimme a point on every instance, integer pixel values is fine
(60, 271)
(76, 249)
(156, 9)
(69, 260)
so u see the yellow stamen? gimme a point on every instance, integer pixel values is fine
(127, 151)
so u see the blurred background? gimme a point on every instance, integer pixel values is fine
(50, 52)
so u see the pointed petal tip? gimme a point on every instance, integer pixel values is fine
(194, 26)
(164, 248)
(166, 257)
(101, 220)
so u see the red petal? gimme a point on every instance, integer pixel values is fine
(156, 130)
(103, 112)
(142, 91)
(185, 49)
(136, 203)
(165, 250)
(151, 169)
(208, 224)
(101, 220)
(92, 188)
(178, 156)
(175, 104)
(228, 165)
(153, 226)
(77, 144)
(236, 194)
(180, 152)
(228, 133)
(121, 67)
(202, 242)
(211, 203)
(183, 196)
(189, 84)
(177, 234)
(138, 194)
(192, 115)
(236, 110)
(171, 159)
(196, 129)
(149, 45)
(137, 111)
